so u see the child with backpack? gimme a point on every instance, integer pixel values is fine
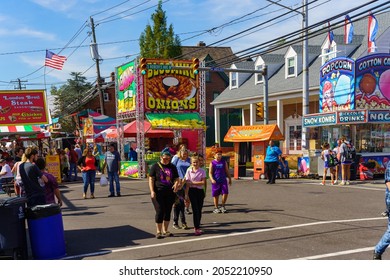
(330, 162)
(346, 158)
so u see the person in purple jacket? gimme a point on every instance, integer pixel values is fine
(218, 171)
(51, 187)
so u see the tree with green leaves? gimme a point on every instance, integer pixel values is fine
(67, 100)
(158, 41)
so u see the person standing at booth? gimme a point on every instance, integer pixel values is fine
(272, 158)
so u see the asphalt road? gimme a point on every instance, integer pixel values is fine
(293, 219)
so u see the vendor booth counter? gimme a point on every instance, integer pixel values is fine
(129, 169)
(258, 137)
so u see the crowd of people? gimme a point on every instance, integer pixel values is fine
(338, 161)
(178, 181)
(26, 170)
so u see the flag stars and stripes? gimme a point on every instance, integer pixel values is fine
(53, 60)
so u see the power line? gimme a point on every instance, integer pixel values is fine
(272, 45)
(104, 20)
(113, 7)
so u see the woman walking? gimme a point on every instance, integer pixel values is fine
(195, 179)
(164, 182)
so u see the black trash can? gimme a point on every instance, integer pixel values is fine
(13, 240)
(46, 232)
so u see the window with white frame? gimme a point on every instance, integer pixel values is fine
(233, 80)
(291, 66)
(259, 76)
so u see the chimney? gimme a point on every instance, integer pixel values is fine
(201, 44)
(112, 76)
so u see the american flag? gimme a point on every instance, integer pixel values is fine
(372, 30)
(348, 30)
(53, 60)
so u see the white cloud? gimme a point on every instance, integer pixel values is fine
(27, 32)
(56, 5)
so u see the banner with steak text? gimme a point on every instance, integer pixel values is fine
(23, 107)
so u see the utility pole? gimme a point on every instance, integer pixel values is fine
(19, 82)
(305, 67)
(305, 73)
(95, 53)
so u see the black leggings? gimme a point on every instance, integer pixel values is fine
(197, 198)
(271, 168)
(163, 207)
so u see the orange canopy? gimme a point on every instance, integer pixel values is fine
(253, 133)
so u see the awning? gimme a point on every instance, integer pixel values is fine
(176, 121)
(130, 130)
(22, 132)
(19, 129)
(253, 133)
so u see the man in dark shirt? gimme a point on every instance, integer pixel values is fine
(112, 160)
(31, 174)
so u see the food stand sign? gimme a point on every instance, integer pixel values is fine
(23, 107)
(373, 82)
(168, 89)
(337, 85)
(53, 166)
(126, 87)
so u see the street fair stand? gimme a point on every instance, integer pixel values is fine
(156, 138)
(259, 136)
(160, 91)
(21, 113)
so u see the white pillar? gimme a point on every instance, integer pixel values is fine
(279, 122)
(279, 114)
(217, 130)
(252, 113)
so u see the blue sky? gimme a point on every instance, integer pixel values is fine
(29, 27)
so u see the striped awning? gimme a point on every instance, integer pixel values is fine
(22, 129)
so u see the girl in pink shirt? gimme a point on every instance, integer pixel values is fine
(195, 179)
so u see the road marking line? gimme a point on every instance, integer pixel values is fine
(224, 236)
(337, 254)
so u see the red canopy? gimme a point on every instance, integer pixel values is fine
(130, 130)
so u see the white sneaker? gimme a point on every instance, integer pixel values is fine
(347, 182)
(322, 183)
(223, 209)
(335, 182)
(217, 211)
(342, 183)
